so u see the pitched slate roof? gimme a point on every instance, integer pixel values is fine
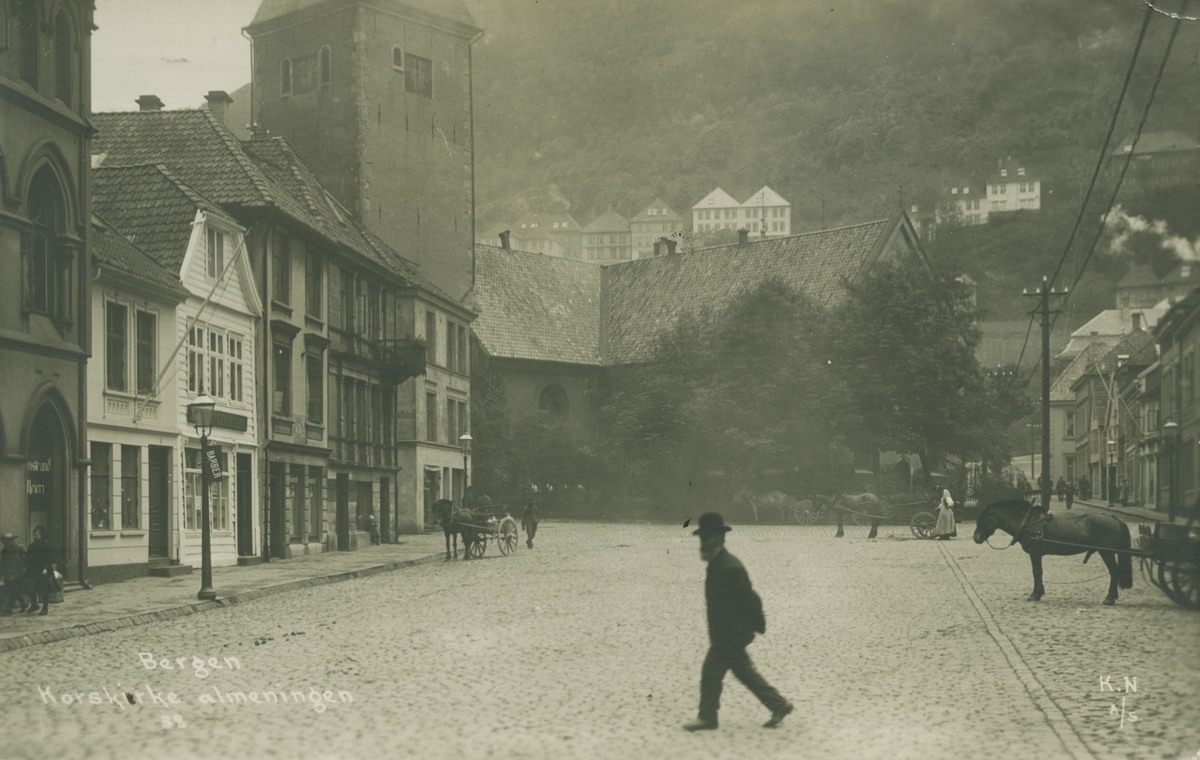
(717, 199)
(609, 221)
(112, 250)
(1062, 389)
(1106, 362)
(151, 207)
(1160, 142)
(647, 296)
(537, 307)
(766, 197)
(454, 10)
(665, 213)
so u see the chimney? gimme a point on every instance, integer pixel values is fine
(1137, 321)
(218, 101)
(743, 236)
(504, 240)
(149, 103)
(669, 244)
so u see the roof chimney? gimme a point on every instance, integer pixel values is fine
(504, 240)
(218, 101)
(1137, 321)
(670, 245)
(743, 236)
(149, 103)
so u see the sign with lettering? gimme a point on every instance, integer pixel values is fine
(37, 483)
(223, 420)
(214, 464)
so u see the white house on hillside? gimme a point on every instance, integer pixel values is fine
(766, 213)
(1012, 188)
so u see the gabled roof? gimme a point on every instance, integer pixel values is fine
(152, 208)
(537, 307)
(1062, 389)
(664, 212)
(765, 197)
(112, 250)
(535, 224)
(717, 199)
(609, 221)
(453, 10)
(1105, 361)
(1160, 142)
(1013, 167)
(1138, 276)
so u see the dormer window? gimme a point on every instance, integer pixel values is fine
(1020, 172)
(215, 255)
(966, 190)
(954, 191)
(1004, 172)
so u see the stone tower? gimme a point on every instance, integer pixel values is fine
(375, 96)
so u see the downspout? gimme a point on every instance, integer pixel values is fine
(253, 122)
(471, 118)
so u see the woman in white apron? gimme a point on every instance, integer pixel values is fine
(945, 530)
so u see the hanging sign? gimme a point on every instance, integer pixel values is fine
(214, 464)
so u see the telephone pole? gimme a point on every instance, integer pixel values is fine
(1043, 294)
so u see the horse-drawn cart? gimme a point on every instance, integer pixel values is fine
(487, 525)
(1170, 559)
(864, 512)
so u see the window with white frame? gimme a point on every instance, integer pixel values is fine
(216, 362)
(146, 353)
(236, 366)
(218, 492)
(215, 255)
(116, 346)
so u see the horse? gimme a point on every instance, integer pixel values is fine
(865, 503)
(1040, 533)
(777, 500)
(445, 513)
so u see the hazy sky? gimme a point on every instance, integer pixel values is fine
(175, 49)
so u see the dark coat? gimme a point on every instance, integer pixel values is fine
(38, 558)
(12, 564)
(529, 516)
(735, 612)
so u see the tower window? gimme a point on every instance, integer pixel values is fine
(62, 57)
(397, 59)
(418, 75)
(324, 65)
(285, 77)
(27, 42)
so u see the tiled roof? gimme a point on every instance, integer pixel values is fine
(151, 207)
(664, 212)
(1160, 142)
(1138, 275)
(646, 297)
(111, 249)
(1062, 387)
(531, 224)
(537, 307)
(717, 199)
(609, 221)
(218, 168)
(454, 10)
(766, 197)
(1104, 359)
(1001, 342)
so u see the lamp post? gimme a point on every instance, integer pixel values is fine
(464, 443)
(1111, 477)
(203, 409)
(1170, 429)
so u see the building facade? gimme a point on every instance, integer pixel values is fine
(45, 220)
(1012, 188)
(376, 96)
(606, 239)
(765, 213)
(658, 220)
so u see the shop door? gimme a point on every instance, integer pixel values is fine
(433, 492)
(343, 511)
(245, 506)
(160, 500)
(46, 488)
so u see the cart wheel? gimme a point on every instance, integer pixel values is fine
(806, 516)
(860, 519)
(478, 547)
(922, 525)
(1185, 580)
(507, 536)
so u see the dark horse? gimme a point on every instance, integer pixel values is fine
(863, 503)
(1040, 533)
(455, 522)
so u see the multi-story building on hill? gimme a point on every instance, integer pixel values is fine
(606, 239)
(45, 229)
(658, 220)
(963, 202)
(1161, 159)
(1012, 188)
(376, 97)
(550, 234)
(765, 213)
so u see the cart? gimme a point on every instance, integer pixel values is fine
(1170, 560)
(920, 521)
(492, 523)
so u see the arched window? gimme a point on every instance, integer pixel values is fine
(46, 263)
(324, 64)
(554, 400)
(27, 41)
(63, 57)
(397, 59)
(285, 77)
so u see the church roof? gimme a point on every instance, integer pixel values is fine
(454, 10)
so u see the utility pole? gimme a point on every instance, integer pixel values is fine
(1043, 295)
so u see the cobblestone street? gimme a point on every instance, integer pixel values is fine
(590, 646)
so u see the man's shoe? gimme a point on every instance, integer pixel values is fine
(779, 714)
(700, 725)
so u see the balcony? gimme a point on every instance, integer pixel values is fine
(399, 359)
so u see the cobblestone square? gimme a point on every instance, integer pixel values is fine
(589, 646)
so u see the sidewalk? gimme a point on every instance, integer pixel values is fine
(1129, 513)
(139, 601)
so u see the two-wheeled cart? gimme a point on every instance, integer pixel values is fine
(492, 523)
(916, 514)
(1170, 560)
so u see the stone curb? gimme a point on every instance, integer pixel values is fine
(87, 629)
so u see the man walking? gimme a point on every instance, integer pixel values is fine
(529, 521)
(735, 614)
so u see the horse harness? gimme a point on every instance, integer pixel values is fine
(1040, 523)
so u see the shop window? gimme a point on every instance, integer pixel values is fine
(131, 504)
(101, 477)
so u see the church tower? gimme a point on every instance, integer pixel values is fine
(375, 96)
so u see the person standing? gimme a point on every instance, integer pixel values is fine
(945, 528)
(735, 614)
(529, 522)
(1060, 487)
(12, 574)
(39, 571)
(1070, 494)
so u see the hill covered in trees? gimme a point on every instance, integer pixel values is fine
(847, 109)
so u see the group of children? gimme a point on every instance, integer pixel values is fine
(26, 573)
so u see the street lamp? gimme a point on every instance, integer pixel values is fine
(1112, 470)
(1170, 429)
(203, 410)
(464, 443)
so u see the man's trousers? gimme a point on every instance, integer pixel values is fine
(721, 659)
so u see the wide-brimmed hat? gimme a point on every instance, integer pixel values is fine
(711, 522)
(8, 536)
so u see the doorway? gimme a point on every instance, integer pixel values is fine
(433, 492)
(365, 504)
(278, 532)
(245, 506)
(46, 486)
(160, 501)
(385, 510)
(343, 511)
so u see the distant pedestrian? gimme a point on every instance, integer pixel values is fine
(1060, 488)
(529, 521)
(12, 575)
(39, 571)
(945, 528)
(735, 614)
(1070, 494)
(372, 527)
(1085, 488)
